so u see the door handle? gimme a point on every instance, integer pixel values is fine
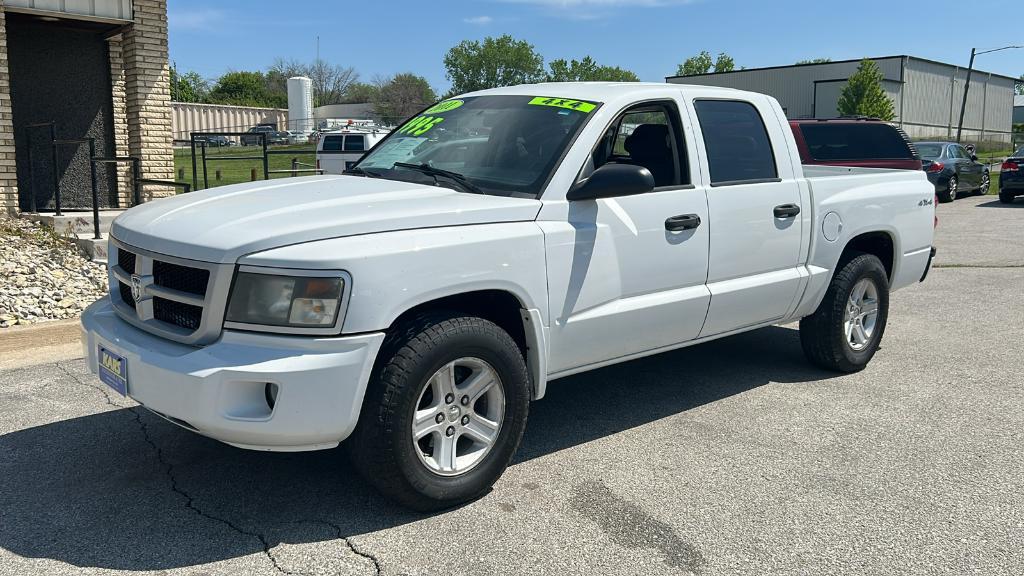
(786, 210)
(682, 222)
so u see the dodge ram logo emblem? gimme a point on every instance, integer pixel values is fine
(136, 287)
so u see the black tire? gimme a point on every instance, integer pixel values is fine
(822, 334)
(986, 183)
(951, 190)
(1006, 197)
(381, 447)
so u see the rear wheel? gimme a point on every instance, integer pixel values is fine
(951, 190)
(444, 413)
(1006, 197)
(846, 329)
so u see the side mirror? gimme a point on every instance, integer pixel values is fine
(613, 180)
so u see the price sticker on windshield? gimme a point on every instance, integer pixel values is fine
(577, 105)
(446, 106)
(419, 125)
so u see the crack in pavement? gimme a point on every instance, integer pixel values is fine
(190, 501)
(169, 472)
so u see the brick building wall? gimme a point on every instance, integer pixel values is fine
(8, 171)
(148, 93)
(117, 89)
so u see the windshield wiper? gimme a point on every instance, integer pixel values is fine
(361, 172)
(435, 172)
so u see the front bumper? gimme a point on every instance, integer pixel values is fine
(219, 390)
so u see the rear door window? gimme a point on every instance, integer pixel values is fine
(855, 141)
(355, 143)
(333, 143)
(736, 141)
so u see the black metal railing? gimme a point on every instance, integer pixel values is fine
(199, 141)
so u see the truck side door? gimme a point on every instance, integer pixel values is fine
(626, 274)
(753, 201)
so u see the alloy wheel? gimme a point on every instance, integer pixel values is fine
(861, 314)
(458, 416)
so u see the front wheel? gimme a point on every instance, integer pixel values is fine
(844, 332)
(444, 412)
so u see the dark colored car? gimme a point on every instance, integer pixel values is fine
(952, 169)
(858, 142)
(215, 141)
(1011, 177)
(253, 139)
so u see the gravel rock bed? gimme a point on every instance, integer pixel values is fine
(43, 276)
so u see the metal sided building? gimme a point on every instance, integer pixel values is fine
(926, 95)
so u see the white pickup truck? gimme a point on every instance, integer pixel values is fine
(495, 242)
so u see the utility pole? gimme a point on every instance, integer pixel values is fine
(967, 85)
(963, 105)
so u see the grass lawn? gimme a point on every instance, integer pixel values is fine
(235, 171)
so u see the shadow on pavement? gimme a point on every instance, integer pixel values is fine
(1018, 203)
(125, 490)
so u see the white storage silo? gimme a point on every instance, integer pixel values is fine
(300, 104)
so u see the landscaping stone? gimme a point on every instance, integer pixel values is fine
(44, 276)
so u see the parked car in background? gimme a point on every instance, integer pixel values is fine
(215, 141)
(297, 137)
(1011, 177)
(953, 170)
(339, 151)
(859, 142)
(253, 139)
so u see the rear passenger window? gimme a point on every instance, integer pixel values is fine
(354, 144)
(332, 143)
(737, 142)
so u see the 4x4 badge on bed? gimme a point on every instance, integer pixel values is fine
(926, 202)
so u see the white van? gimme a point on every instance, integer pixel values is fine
(339, 151)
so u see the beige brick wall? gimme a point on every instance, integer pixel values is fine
(117, 90)
(148, 93)
(8, 172)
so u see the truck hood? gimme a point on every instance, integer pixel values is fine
(222, 224)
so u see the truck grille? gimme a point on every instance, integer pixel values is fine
(177, 313)
(176, 296)
(183, 278)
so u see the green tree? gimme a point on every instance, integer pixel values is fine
(1018, 87)
(814, 61)
(703, 63)
(863, 94)
(188, 87)
(587, 70)
(401, 96)
(359, 92)
(503, 61)
(245, 89)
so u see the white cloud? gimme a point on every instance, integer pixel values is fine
(199, 19)
(478, 20)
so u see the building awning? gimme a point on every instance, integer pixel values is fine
(114, 11)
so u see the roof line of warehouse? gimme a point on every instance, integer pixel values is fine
(900, 56)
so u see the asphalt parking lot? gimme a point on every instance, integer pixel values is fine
(733, 457)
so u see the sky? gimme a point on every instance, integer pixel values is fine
(650, 37)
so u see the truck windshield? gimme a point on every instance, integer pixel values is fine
(503, 145)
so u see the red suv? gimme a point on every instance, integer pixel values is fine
(860, 142)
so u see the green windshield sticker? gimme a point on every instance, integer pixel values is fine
(577, 105)
(446, 106)
(419, 125)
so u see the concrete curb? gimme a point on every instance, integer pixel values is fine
(40, 343)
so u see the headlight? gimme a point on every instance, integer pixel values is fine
(289, 300)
